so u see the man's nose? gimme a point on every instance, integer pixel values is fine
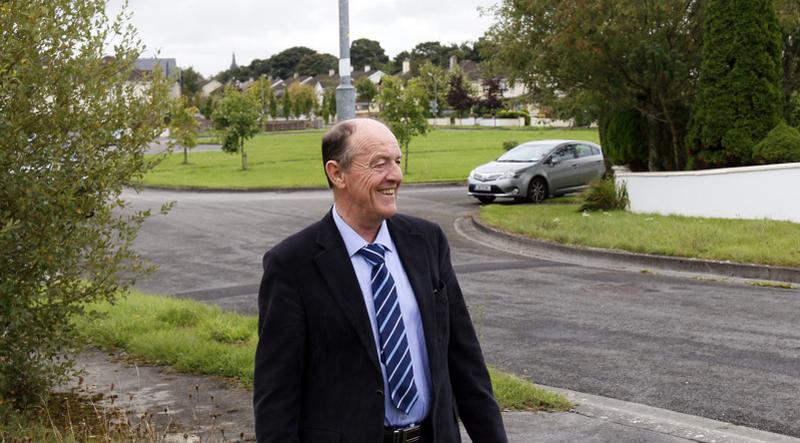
(395, 172)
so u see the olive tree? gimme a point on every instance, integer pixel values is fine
(74, 132)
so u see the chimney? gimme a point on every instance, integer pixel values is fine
(331, 72)
(406, 66)
(366, 68)
(295, 75)
(453, 62)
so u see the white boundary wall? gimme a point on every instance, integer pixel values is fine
(752, 192)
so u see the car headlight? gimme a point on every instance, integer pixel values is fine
(510, 174)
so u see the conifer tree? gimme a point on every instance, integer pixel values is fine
(740, 96)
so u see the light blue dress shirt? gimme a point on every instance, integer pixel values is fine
(411, 319)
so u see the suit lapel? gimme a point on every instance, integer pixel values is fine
(335, 266)
(412, 249)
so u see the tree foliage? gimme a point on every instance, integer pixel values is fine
(366, 91)
(236, 115)
(433, 80)
(460, 94)
(625, 139)
(261, 92)
(191, 83)
(781, 145)
(303, 99)
(313, 64)
(328, 107)
(182, 126)
(740, 96)
(492, 95)
(403, 110)
(789, 19)
(74, 133)
(364, 51)
(627, 54)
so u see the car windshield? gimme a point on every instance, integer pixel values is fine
(529, 152)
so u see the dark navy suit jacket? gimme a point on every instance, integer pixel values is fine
(317, 377)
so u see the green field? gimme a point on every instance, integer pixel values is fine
(742, 241)
(293, 160)
(197, 338)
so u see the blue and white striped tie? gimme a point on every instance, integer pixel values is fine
(394, 344)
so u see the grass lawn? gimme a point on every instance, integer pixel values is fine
(293, 160)
(742, 241)
(197, 338)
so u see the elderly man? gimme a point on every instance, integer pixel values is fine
(364, 336)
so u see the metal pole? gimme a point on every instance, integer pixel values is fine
(345, 92)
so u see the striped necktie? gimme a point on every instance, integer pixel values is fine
(394, 345)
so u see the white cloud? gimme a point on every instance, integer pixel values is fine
(204, 34)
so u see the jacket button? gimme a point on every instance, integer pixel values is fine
(379, 393)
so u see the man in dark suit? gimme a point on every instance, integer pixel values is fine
(364, 336)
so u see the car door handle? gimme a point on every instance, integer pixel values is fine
(574, 165)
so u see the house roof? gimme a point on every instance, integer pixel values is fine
(168, 65)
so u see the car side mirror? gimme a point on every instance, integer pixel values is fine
(552, 161)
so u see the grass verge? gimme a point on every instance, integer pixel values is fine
(742, 241)
(293, 160)
(197, 338)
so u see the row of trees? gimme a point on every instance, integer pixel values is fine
(699, 82)
(363, 52)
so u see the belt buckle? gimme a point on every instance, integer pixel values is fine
(401, 435)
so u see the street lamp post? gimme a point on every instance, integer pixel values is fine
(345, 92)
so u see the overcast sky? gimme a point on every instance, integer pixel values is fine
(203, 34)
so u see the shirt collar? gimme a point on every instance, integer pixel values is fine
(353, 242)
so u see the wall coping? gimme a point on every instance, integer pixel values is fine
(703, 172)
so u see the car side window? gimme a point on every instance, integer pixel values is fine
(595, 150)
(565, 153)
(583, 150)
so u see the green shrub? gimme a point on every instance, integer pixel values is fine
(625, 139)
(603, 195)
(67, 153)
(515, 114)
(781, 145)
(509, 144)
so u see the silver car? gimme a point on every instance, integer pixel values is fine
(538, 169)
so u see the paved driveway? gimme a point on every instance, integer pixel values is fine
(725, 351)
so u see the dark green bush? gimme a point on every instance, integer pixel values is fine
(781, 145)
(604, 195)
(515, 114)
(625, 139)
(508, 144)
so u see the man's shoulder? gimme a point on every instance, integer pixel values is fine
(412, 223)
(299, 243)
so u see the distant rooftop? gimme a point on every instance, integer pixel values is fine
(168, 65)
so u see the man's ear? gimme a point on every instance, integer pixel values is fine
(335, 173)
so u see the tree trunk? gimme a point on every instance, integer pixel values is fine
(405, 168)
(185, 156)
(244, 155)
(652, 142)
(677, 142)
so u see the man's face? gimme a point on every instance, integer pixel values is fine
(369, 195)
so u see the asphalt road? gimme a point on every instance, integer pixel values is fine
(725, 351)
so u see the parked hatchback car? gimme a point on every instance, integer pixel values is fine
(538, 169)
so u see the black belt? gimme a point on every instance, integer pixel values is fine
(411, 434)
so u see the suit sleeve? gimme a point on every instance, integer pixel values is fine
(280, 355)
(469, 377)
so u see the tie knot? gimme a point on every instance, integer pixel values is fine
(373, 253)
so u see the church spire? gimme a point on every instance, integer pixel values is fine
(233, 61)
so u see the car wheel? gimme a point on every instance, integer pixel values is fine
(537, 190)
(486, 198)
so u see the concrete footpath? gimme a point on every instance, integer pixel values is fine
(186, 408)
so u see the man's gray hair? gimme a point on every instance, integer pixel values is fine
(335, 146)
